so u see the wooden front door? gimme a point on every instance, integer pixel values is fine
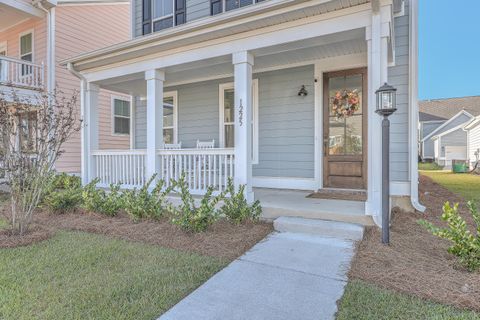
(345, 129)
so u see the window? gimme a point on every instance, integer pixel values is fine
(162, 14)
(217, 6)
(227, 118)
(121, 116)
(28, 132)
(170, 117)
(26, 52)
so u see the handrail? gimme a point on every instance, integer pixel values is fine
(28, 63)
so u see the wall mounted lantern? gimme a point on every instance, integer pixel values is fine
(303, 92)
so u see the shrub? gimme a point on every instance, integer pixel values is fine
(64, 193)
(236, 208)
(466, 246)
(64, 200)
(100, 201)
(190, 217)
(142, 203)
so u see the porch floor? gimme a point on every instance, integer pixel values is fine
(294, 203)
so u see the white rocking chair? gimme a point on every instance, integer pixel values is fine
(205, 144)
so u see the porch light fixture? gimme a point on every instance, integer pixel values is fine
(303, 92)
(386, 105)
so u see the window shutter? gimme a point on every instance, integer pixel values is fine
(180, 12)
(216, 7)
(146, 16)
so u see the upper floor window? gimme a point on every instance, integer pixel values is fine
(219, 6)
(162, 14)
(26, 52)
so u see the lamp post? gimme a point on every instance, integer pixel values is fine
(386, 105)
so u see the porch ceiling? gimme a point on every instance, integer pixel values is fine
(284, 55)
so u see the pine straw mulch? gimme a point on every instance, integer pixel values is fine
(417, 262)
(223, 239)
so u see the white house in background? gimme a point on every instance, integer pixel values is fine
(257, 80)
(473, 142)
(442, 137)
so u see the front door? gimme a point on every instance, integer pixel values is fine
(345, 129)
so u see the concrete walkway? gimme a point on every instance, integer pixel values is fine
(286, 276)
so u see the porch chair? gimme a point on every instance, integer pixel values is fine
(205, 144)
(172, 146)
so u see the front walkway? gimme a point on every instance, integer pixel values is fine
(286, 276)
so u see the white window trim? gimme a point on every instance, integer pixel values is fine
(112, 103)
(20, 35)
(174, 95)
(4, 67)
(163, 17)
(255, 134)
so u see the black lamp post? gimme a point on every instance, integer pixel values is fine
(386, 105)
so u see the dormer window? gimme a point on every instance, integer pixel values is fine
(219, 6)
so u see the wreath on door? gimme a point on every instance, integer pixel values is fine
(345, 103)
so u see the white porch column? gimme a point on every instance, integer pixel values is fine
(243, 62)
(155, 79)
(377, 40)
(90, 131)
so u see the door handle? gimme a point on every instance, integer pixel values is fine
(325, 146)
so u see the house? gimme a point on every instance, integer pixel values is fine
(255, 81)
(473, 142)
(442, 137)
(36, 35)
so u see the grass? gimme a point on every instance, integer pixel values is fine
(429, 166)
(365, 301)
(464, 184)
(79, 275)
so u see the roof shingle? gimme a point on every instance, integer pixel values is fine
(444, 109)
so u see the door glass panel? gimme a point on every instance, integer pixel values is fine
(229, 136)
(345, 134)
(229, 105)
(168, 112)
(168, 135)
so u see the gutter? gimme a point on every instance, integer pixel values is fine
(413, 93)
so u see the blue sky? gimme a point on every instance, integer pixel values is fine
(449, 48)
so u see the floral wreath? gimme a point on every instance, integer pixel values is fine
(345, 103)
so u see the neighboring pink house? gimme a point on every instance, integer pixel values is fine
(36, 35)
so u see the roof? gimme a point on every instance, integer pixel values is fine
(444, 133)
(445, 123)
(444, 109)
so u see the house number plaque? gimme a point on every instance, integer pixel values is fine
(240, 114)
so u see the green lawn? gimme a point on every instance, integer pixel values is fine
(464, 184)
(366, 301)
(78, 275)
(429, 166)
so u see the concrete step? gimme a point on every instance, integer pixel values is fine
(324, 228)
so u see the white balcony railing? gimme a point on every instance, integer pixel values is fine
(202, 167)
(20, 73)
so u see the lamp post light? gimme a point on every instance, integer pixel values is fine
(386, 105)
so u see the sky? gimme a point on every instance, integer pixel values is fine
(449, 48)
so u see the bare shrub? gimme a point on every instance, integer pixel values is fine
(33, 130)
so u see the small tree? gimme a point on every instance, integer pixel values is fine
(33, 131)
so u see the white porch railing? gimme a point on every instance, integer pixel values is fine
(20, 73)
(202, 167)
(125, 167)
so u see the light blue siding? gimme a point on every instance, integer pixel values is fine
(286, 121)
(428, 145)
(197, 9)
(398, 76)
(138, 17)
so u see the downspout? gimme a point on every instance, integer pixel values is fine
(50, 44)
(413, 93)
(83, 140)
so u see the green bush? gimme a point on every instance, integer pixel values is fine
(236, 208)
(141, 203)
(100, 201)
(465, 244)
(64, 200)
(64, 193)
(190, 217)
